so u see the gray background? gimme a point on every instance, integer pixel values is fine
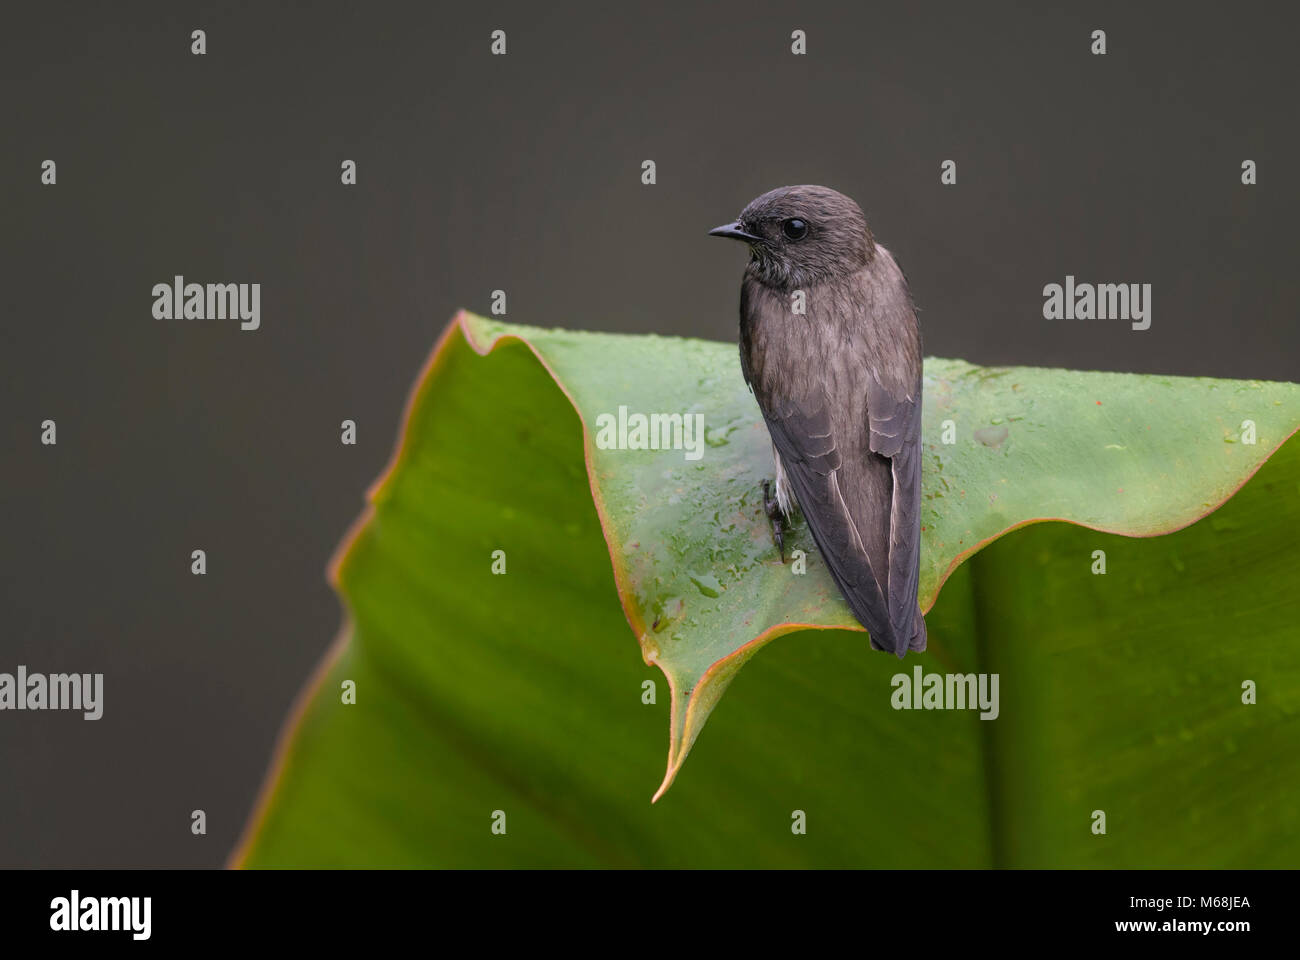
(522, 172)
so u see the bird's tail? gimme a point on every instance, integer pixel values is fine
(916, 643)
(918, 637)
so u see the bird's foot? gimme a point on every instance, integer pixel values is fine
(773, 510)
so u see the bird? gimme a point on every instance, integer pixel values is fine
(831, 348)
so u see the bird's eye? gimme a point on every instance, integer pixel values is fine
(794, 229)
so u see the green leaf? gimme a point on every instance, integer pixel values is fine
(478, 692)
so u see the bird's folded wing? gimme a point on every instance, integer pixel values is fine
(895, 433)
(804, 437)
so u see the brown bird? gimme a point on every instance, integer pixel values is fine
(830, 345)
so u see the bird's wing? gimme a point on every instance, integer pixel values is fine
(894, 418)
(804, 437)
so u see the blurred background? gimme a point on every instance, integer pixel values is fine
(521, 173)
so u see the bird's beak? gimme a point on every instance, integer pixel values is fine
(734, 231)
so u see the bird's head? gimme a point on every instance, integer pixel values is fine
(802, 235)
